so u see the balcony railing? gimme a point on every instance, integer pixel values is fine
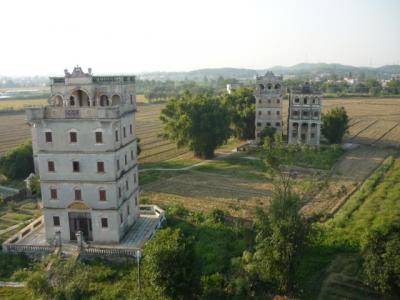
(56, 112)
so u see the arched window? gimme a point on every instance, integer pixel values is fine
(296, 100)
(81, 98)
(57, 100)
(261, 86)
(277, 86)
(269, 86)
(305, 100)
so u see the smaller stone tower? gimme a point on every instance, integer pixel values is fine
(268, 94)
(304, 118)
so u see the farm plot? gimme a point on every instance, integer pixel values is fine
(391, 138)
(346, 176)
(199, 191)
(13, 131)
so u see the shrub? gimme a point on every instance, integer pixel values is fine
(18, 162)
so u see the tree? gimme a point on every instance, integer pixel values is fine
(241, 106)
(269, 132)
(374, 87)
(167, 262)
(381, 250)
(65, 281)
(199, 122)
(393, 87)
(18, 162)
(281, 232)
(335, 124)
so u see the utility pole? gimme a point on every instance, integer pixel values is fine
(138, 256)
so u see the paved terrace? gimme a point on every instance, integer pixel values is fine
(32, 238)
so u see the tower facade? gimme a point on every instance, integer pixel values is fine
(85, 148)
(304, 118)
(268, 94)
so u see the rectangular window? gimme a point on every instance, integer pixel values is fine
(73, 137)
(116, 135)
(104, 223)
(131, 154)
(102, 195)
(53, 194)
(269, 113)
(126, 185)
(278, 112)
(131, 99)
(119, 192)
(135, 200)
(124, 130)
(49, 137)
(99, 137)
(100, 167)
(50, 166)
(56, 220)
(126, 160)
(130, 129)
(75, 166)
(121, 218)
(78, 195)
(134, 178)
(117, 164)
(127, 210)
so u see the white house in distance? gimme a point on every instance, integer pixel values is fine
(85, 147)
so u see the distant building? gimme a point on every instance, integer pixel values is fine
(268, 94)
(351, 81)
(230, 87)
(304, 118)
(85, 150)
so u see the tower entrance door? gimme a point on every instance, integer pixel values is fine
(80, 221)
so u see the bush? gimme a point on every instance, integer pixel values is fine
(17, 163)
(382, 260)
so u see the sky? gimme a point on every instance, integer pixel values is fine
(44, 37)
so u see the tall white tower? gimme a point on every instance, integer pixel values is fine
(268, 94)
(85, 151)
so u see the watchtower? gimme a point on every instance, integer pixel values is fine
(85, 150)
(268, 94)
(304, 118)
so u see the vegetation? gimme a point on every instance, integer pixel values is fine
(335, 124)
(168, 265)
(381, 258)
(18, 162)
(241, 106)
(302, 156)
(199, 122)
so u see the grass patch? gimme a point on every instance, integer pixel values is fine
(17, 216)
(171, 164)
(9, 293)
(235, 165)
(17, 104)
(151, 176)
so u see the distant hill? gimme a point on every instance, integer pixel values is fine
(302, 69)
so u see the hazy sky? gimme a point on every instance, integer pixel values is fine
(45, 37)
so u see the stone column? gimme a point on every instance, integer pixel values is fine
(79, 239)
(318, 133)
(299, 126)
(308, 133)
